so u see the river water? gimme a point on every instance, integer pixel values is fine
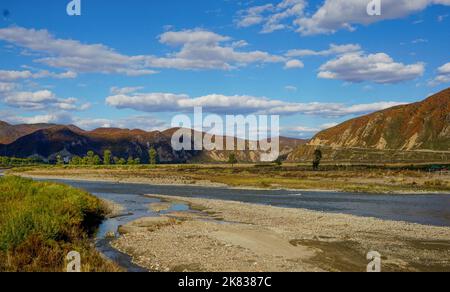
(423, 209)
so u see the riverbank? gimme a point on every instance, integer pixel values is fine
(40, 223)
(364, 180)
(231, 236)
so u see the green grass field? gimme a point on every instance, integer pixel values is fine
(40, 223)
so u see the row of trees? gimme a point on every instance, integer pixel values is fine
(13, 161)
(108, 159)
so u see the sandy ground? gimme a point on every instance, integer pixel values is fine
(232, 236)
(167, 181)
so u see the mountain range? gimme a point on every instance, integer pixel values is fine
(419, 127)
(47, 141)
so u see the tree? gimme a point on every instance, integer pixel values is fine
(107, 157)
(317, 159)
(152, 155)
(89, 159)
(96, 160)
(137, 161)
(130, 160)
(232, 159)
(279, 161)
(121, 161)
(76, 160)
(59, 160)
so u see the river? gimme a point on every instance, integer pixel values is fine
(430, 209)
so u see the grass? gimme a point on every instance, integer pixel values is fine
(40, 223)
(350, 178)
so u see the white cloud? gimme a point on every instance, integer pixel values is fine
(253, 15)
(335, 15)
(199, 49)
(202, 49)
(272, 17)
(236, 104)
(11, 75)
(294, 64)
(198, 36)
(125, 90)
(50, 118)
(332, 50)
(379, 68)
(443, 75)
(290, 88)
(146, 123)
(329, 17)
(305, 131)
(6, 86)
(40, 100)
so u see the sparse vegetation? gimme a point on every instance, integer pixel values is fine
(41, 222)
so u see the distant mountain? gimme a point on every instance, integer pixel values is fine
(10, 133)
(418, 131)
(48, 141)
(421, 125)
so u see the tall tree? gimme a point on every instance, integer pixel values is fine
(89, 159)
(59, 160)
(317, 159)
(232, 159)
(107, 157)
(152, 156)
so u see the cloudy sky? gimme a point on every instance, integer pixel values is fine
(137, 64)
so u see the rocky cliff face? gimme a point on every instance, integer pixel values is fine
(422, 125)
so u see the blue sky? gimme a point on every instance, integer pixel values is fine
(136, 64)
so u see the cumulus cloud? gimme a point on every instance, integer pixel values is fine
(199, 49)
(40, 100)
(11, 75)
(443, 75)
(236, 104)
(329, 17)
(379, 68)
(272, 17)
(335, 15)
(294, 64)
